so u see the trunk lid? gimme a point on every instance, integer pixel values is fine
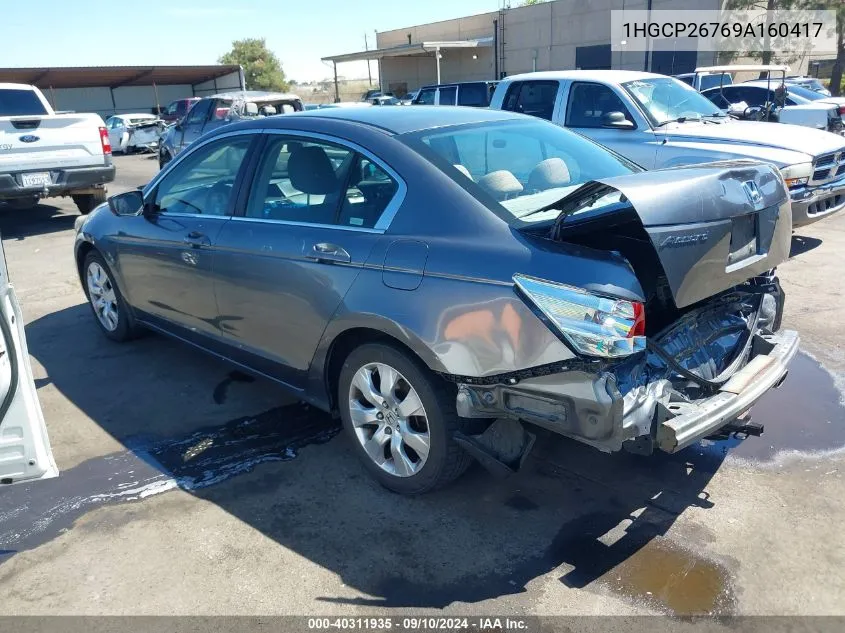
(50, 142)
(711, 226)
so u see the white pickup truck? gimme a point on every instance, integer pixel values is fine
(44, 154)
(658, 121)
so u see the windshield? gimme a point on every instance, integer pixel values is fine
(804, 93)
(665, 99)
(14, 102)
(526, 167)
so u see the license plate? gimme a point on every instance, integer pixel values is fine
(36, 180)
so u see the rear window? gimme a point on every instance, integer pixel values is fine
(20, 103)
(474, 95)
(525, 167)
(713, 81)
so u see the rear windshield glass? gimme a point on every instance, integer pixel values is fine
(714, 81)
(20, 103)
(521, 170)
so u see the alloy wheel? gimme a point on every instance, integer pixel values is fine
(102, 296)
(389, 419)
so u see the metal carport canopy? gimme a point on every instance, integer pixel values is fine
(421, 48)
(114, 76)
(407, 50)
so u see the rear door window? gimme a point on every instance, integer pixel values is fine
(473, 95)
(316, 182)
(448, 95)
(536, 98)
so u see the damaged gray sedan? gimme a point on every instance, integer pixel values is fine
(443, 279)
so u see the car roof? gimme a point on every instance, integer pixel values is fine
(253, 95)
(460, 83)
(136, 115)
(400, 119)
(610, 76)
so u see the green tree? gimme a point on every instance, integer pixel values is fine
(262, 69)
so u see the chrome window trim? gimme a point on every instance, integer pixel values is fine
(341, 227)
(390, 211)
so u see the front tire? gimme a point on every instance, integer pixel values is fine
(87, 202)
(401, 418)
(164, 157)
(108, 305)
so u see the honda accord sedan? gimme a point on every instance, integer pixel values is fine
(446, 279)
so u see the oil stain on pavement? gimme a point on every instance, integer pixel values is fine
(31, 514)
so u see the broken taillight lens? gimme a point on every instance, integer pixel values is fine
(594, 325)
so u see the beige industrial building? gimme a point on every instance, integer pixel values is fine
(556, 35)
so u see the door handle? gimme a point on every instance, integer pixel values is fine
(324, 251)
(197, 239)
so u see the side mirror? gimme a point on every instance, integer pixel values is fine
(129, 203)
(617, 121)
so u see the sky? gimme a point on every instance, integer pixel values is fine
(176, 32)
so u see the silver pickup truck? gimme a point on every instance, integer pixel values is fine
(658, 121)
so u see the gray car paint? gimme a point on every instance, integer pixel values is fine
(463, 318)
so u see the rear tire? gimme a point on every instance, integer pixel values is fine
(434, 459)
(110, 310)
(87, 202)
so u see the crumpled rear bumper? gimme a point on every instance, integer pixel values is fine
(585, 403)
(766, 370)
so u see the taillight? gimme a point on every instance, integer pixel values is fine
(594, 325)
(842, 110)
(104, 140)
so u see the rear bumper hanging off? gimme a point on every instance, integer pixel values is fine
(766, 370)
(587, 405)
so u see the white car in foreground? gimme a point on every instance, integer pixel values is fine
(134, 132)
(44, 154)
(25, 452)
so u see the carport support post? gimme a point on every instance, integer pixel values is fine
(437, 59)
(158, 105)
(336, 90)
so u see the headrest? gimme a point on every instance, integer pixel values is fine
(548, 174)
(310, 171)
(500, 184)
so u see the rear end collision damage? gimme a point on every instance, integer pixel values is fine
(689, 357)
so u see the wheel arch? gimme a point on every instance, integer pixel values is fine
(338, 344)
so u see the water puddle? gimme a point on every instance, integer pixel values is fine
(31, 514)
(666, 577)
(633, 559)
(804, 415)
